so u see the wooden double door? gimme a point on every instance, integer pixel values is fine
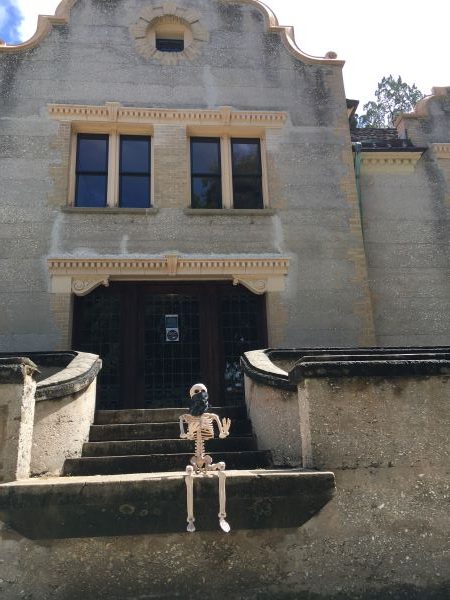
(157, 339)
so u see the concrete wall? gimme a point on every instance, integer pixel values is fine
(17, 387)
(364, 422)
(275, 418)
(384, 535)
(406, 217)
(61, 426)
(311, 181)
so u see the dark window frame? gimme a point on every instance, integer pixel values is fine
(147, 174)
(78, 171)
(257, 175)
(164, 44)
(218, 176)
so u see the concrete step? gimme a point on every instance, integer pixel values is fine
(112, 505)
(153, 431)
(161, 415)
(154, 463)
(123, 448)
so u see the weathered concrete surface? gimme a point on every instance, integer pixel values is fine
(17, 388)
(274, 414)
(310, 170)
(361, 422)
(406, 219)
(385, 535)
(156, 502)
(61, 427)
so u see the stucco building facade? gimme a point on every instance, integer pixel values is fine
(179, 184)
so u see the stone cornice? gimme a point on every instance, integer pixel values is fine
(390, 161)
(114, 112)
(440, 150)
(62, 16)
(81, 275)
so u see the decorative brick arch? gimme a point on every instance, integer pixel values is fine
(145, 29)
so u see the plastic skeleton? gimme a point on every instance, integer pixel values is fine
(200, 428)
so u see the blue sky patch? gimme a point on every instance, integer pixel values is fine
(10, 19)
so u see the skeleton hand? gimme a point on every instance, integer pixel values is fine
(225, 428)
(183, 436)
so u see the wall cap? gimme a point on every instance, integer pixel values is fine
(260, 365)
(14, 369)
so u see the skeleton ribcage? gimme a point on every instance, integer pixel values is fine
(205, 424)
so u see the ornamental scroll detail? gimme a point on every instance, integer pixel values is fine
(82, 287)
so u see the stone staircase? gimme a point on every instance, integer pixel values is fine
(147, 441)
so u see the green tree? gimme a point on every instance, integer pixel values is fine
(393, 96)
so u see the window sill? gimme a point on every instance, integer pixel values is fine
(254, 212)
(110, 210)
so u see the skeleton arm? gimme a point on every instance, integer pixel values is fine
(223, 426)
(183, 419)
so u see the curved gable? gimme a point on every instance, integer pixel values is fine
(62, 17)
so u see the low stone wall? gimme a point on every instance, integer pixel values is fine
(385, 534)
(17, 388)
(65, 406)
(273, 408)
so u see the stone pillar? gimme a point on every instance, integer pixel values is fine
(17, 398)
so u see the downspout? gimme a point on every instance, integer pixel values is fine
(357, 148)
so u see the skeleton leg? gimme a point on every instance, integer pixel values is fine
(224, 525)
(189, 479)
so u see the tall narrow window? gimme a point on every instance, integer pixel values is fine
(206, 177)
(247, 174)
(134, 171)
(91, 170)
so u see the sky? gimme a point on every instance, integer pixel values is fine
(398, 37)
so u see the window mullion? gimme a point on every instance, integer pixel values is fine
(113, 171)
(227, 181)
(264, 173)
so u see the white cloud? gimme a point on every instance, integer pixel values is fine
(30, 9)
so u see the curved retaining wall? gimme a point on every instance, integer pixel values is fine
(51, 397)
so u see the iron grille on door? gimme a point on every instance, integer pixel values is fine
(240, 323)
(99, 331)
(170, 366)
(143, 367)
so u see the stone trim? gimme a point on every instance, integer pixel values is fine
(440, 150)
(344, 362)
(14, 369)
(62, 16)
(75, 377)
(82, 275)
(258, 366)
(422, 108)
(227, 212)
(114, 112)
(288, 37)
(109, 210)
(390, 161)
(400, 365)
(144, 32)
(44, 26)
